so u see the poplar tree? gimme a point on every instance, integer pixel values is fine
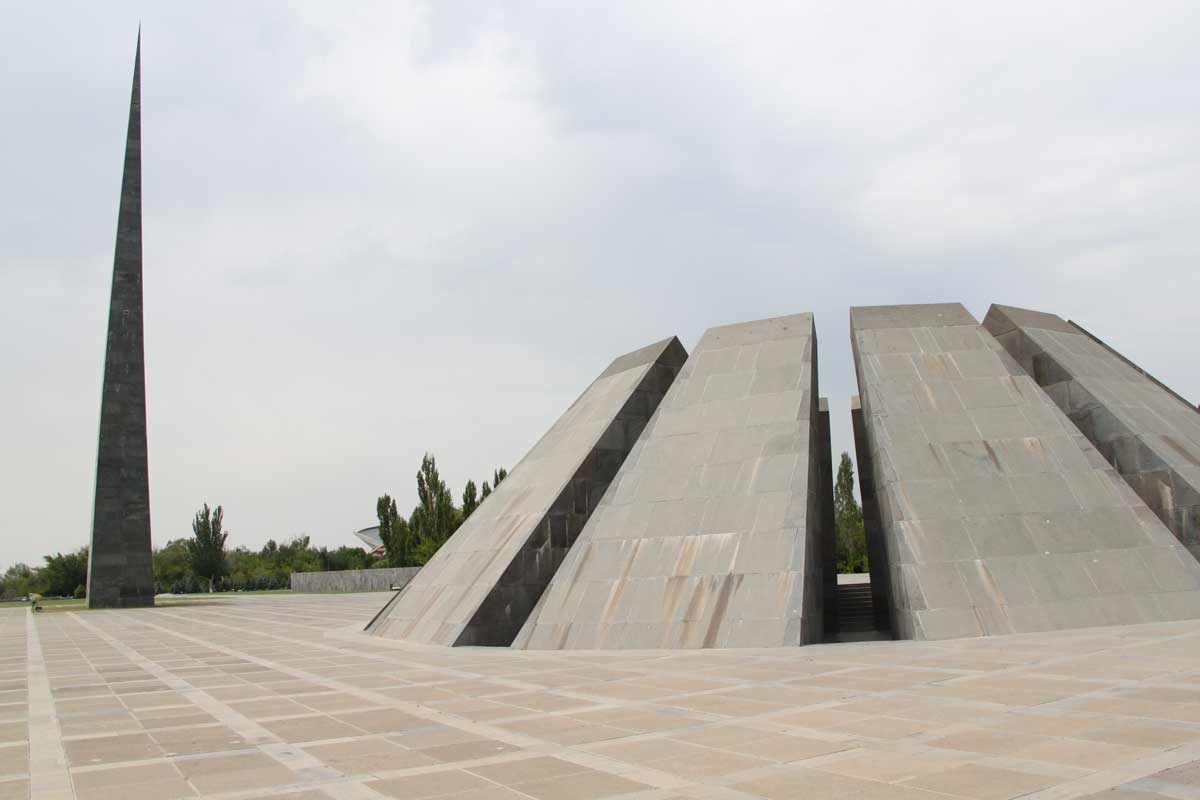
(206, 548)
(470, 500)
(435, 517)
(848, 521)
(395, 533)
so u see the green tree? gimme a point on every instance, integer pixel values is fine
(851, 534)
(21, 579)
(435, 517)
(497, 476)
(64, 573)
(171, 567)
(345, 557)
(412, 542)
(470, 500)
(397, 535)
(206, 548)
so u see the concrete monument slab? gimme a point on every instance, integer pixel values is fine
(996, 514)
(709, 536)
(1147, 432)
(481, 585)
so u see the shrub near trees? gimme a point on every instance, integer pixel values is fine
(66, 574)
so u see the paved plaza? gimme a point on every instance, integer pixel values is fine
(283, 697)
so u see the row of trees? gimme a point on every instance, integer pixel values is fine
(411, 542)
(176, 570)
(63, 575)
(243, 569)
(202, 562)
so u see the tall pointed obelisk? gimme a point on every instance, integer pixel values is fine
(120, 570)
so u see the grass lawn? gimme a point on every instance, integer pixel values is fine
(272, 591)
(197, 598)
(81, 605)
(46, 603)
(230, 594)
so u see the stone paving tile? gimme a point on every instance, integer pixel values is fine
(368, 756)
(471, 750)
(1088, 755)
(317, 727)
(14, 759)
(980, 782)
(526, 770)
(1148, 736)
(280, 697)
(153, 782)
(590, 785)
(986, 741)
(110, 749)
(236, 772)
(381, 721)
(430, 784)
(198, 740)
(14, 790)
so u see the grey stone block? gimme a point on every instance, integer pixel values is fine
(1149, 434)
(993, 513)
(713, 537)
(480, 587)
(353, 580)
(120, 570)
(877, 547)
(775, 508)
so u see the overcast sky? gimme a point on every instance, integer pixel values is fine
(372, 230)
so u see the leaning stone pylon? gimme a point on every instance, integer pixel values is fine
(120, 569)
(711, 534)
(1147, 432)
(480, 587)
(997, 516)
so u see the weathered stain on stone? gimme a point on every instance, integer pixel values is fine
(1181, 449)
(729, 583)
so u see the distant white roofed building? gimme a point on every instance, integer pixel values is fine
(371, 538)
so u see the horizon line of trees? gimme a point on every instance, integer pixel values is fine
(243, 569)
(203, 563)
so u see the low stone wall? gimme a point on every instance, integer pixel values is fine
(353, 580)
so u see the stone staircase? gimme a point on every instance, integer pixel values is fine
(856, 614)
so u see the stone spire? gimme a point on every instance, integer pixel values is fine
(120, 570)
